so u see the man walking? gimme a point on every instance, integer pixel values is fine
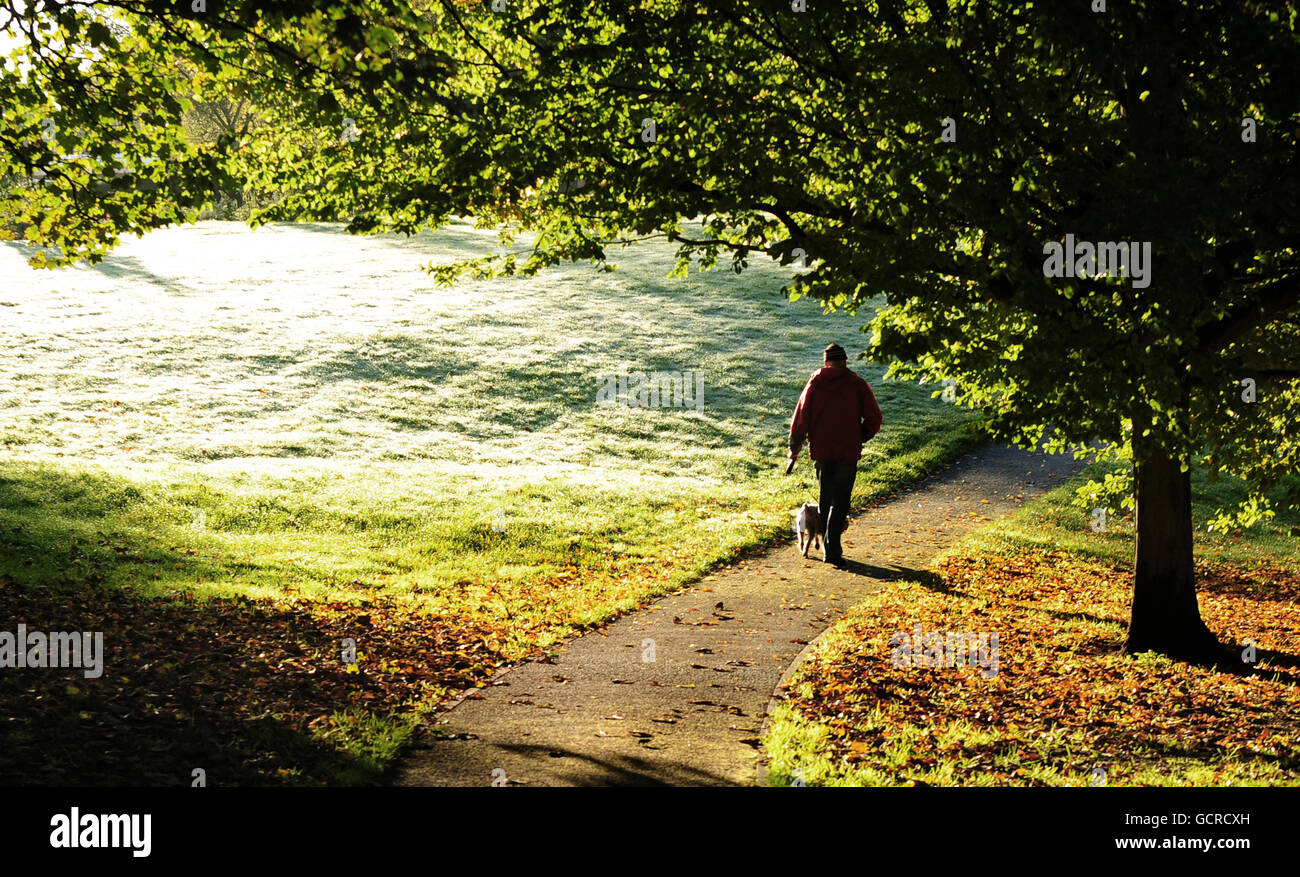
(837, 412)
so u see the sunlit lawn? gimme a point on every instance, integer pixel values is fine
(300, 415)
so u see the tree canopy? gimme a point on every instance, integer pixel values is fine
(930, 151)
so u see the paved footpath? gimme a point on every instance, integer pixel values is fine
(604, 714)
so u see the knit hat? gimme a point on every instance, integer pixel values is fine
(834, 351)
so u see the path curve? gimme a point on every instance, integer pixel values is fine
(601, 714)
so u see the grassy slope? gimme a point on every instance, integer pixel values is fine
(299, 416)
(1065, 708)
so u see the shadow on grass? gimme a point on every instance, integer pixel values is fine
(1275, 659)
(116, 267)
(242, 689)
(393, 357)
(473, 244)
(229, 687)
(132, 270)
(1176, 755)
(513, 397)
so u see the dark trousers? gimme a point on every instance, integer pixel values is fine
(835, 478)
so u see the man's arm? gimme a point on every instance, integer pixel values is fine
(872, 417)
(798, 427)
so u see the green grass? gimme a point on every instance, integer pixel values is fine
(1055, 521)
(489, 462)
(370, 742)
(298, 413)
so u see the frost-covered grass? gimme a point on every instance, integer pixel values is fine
(296, 411)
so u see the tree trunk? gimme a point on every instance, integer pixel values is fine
(1166, 617)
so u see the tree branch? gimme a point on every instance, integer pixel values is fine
(1279, 295)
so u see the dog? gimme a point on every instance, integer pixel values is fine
(808, 527)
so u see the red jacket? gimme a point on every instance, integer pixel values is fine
(837, 411)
